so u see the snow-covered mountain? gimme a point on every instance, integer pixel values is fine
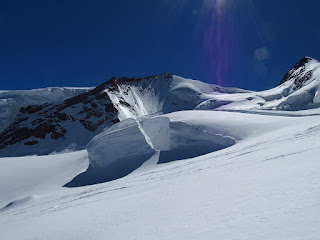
(174, 158)
(56, 125)
(12, 101)
(50, 120)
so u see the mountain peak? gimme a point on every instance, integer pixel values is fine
(299, 72)
(303, 61)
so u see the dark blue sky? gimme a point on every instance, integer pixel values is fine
(241, 43)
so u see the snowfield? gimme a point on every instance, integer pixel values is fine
(187, 160)
(266, 186)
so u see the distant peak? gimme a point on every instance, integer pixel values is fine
(303, 61)
(310, 58)
(294, 73)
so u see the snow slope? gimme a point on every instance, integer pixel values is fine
(22, 176)
(266, 186)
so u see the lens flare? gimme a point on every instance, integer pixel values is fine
(220, 4)
(217, 41)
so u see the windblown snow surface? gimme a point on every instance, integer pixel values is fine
(237, 171)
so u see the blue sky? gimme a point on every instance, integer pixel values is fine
(238, 43)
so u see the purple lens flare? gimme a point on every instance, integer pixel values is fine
(218, 39)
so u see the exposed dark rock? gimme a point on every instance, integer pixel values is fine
(56, 135)
(110, 108)
(16, 136)
(115, 120)
(61, 116)
(100, 122)
(93, 105)
(31, 143)
(124, 103)
(126, 80)
(31, 109)
(19, 120)
(113, 84)
(42, 130)
(102, 96)
(37, 121)
(89, 126)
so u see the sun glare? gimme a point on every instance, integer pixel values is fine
(218, 37)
